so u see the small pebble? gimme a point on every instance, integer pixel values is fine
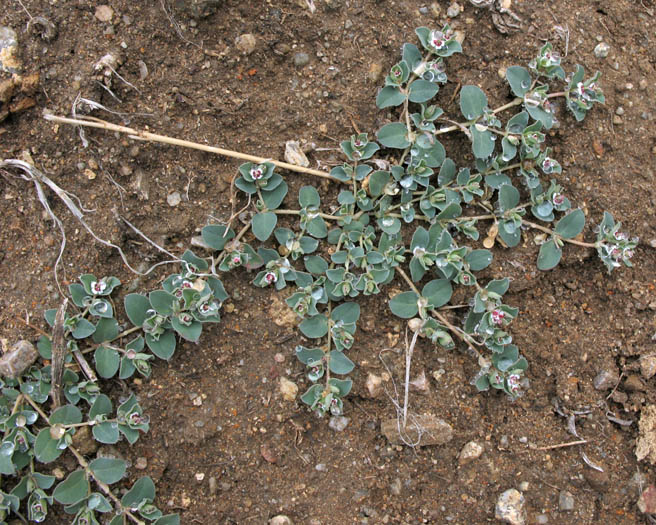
(246, 43)
(542, 519)
(104, 13)
(321, 467)
(565, 501)
(617, 120)
(141, 463)
(281, 519)
(212, 485)
(301, 59)
(338, 423)
(174, 199)
(470, 452)
(643, 84)
(605, 380)
(395, 487)
(9, 59)
(200, 476)
(601, 50)
(619, 111)
(524, 485)
(510, 507)
(453, 10)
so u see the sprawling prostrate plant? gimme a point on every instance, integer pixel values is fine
(419, 197)
(31, 436)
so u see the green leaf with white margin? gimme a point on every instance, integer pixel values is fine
(571, 224)
(393, 135)
(313, 393)
(263, 224)
(164, 347)
(191, 258)
(549, 255)
(142, 490)
(339, 363)
(107, 361)
(308, 355)
(478, 259)
(83, 329)
(99, 503)
(508, 197)
(346, 312)
(102, 406)
(314, 327)
(169, 519)
(472, 102)
(389, 96)
(510, 233)
(273, 198)
(422, 90)
(308, 196)
(136, 308)
(437, 292)
(78, 294)
(106, 330)
(108, 470)
(377, 182)
(452, 210)
(106, 432)
(213, 235)
(46, 449)
(482, 141)
(162, 301)
(73, 489)
(343, 385)
(315, 264)
(189, 332)
(404, 305)
(66, 415)
(519, 80)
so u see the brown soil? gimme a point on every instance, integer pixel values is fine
(262, 450)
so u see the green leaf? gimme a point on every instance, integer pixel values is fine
(83, 329)
(45, 448)
(347, 312)
(73, 489)
(66, 415)
(343, 385)
(472, 102)
(213, 235)
(308, 355)
(263, 224)
(192, 258)
(317, 228)
(571, 224)
(107, 361)
(308, 244)
(136, 308)
(78, 294)
(519, 80)
(313, 393)
(482, 141)
(339, 363)
(478, 259)
(393, 135)
(102, 406)
(99, 503)
(377, 182)
(44, 346)
(549, 255)
(273, 199)
(509, 233)
(315, 264)
(315, 326)
(404, 305)
(508, 197)
(189, 332)
(162, 301)
(437, 292)
(142, 490)
(106, 432)
(422, 90)
(498, 286)
(389, 96)
(451, 211)
(106, 330)
(308, 196)
(108, 470)
(164, 347)
(411, 55)
(169, 519)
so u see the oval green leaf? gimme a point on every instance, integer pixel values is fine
(73, 489)
(472, 102)
(393, 135)
(549, 255)
(422, 90)
(404, 305)
(108, 470)
(571, 224)
(263, 224)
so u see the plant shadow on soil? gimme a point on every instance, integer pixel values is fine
(263, 451)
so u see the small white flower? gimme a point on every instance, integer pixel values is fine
(98, 286)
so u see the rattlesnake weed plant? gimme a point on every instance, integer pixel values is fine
(412, 213)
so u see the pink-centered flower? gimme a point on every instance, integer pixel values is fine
(98, 286)
(257, 173)
(270, 277)
(558, 199)
(498, 316)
